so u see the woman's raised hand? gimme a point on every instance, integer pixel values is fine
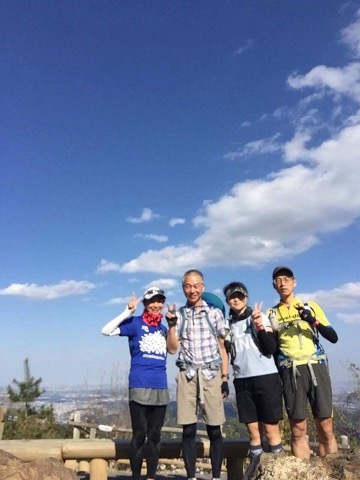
(256, 315)
(132, 302)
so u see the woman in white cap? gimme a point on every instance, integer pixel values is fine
(148, 391)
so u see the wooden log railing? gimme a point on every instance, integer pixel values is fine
(93, 455)
(2, 421)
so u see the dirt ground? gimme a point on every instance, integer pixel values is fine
(167, 475)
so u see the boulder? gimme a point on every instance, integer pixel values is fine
(344, 465)
(12, 468)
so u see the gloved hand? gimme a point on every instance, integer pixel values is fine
(170, 315)
(306, 313)
(225, 390)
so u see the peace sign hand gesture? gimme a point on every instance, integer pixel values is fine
(132, 303)
(257, 315)
(171, 315)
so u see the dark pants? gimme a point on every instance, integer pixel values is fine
(189, 449)
(146, 422)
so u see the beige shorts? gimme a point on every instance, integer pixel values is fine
(188, 405)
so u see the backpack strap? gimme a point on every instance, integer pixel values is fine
(184, 323)
(292, 363)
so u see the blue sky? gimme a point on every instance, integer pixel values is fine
(141, 139)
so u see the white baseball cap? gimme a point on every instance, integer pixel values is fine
(152, 292)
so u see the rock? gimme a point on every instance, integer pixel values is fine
(344, 465)
(12, 468)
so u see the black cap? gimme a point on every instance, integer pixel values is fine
(285, 270)
(236, 287)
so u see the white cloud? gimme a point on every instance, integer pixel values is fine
(117, 301)
(146, 216)
(218, 291)
(314, 97)
(153, 236)
(164, 283)
(246, 123)
(280, 112)
(295, 149)
(65, 288)
(248, 44)
(176, 221)
(353, 119)
(315, 196)
(106, 267)
(262, 146)
(349, 318)
(344, 81)
(345, 297)
(351, 36)
(134, 280)
(290, 210)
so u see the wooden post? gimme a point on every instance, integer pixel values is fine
(92, 433)
(76, 431)
(2, 421)
(84, 466)
(235, 468)
(98, 469)
(72, 464)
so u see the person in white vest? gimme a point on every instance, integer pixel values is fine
(251, 343)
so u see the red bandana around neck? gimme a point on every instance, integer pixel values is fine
(152, 319)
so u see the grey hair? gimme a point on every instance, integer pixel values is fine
(193, 271)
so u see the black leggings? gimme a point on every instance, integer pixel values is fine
(146, 421)
(189, 449)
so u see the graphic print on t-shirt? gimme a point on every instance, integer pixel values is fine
(152, 344)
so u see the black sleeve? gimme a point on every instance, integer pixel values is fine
(267, 341)
(328, 333)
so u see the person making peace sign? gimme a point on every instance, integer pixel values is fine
(148, 390)
(256, 379)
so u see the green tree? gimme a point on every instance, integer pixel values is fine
(27, 421)
(26, 391)
(39, 425)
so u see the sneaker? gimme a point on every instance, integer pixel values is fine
(249, 472)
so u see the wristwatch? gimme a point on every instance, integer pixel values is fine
(225, 375)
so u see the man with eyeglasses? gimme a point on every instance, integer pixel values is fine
(198, 330)
(302, 364)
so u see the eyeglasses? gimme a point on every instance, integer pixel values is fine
(187, 286)
(282, 280)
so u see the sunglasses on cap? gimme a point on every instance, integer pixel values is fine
(152, 292)
(239, 290)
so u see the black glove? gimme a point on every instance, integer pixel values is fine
(225, 389)
(306, 314)
(171, 320)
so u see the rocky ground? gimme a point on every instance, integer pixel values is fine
(344, 465)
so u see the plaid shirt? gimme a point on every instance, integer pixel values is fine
(198, 345)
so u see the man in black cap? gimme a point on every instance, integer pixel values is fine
(302, 364)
